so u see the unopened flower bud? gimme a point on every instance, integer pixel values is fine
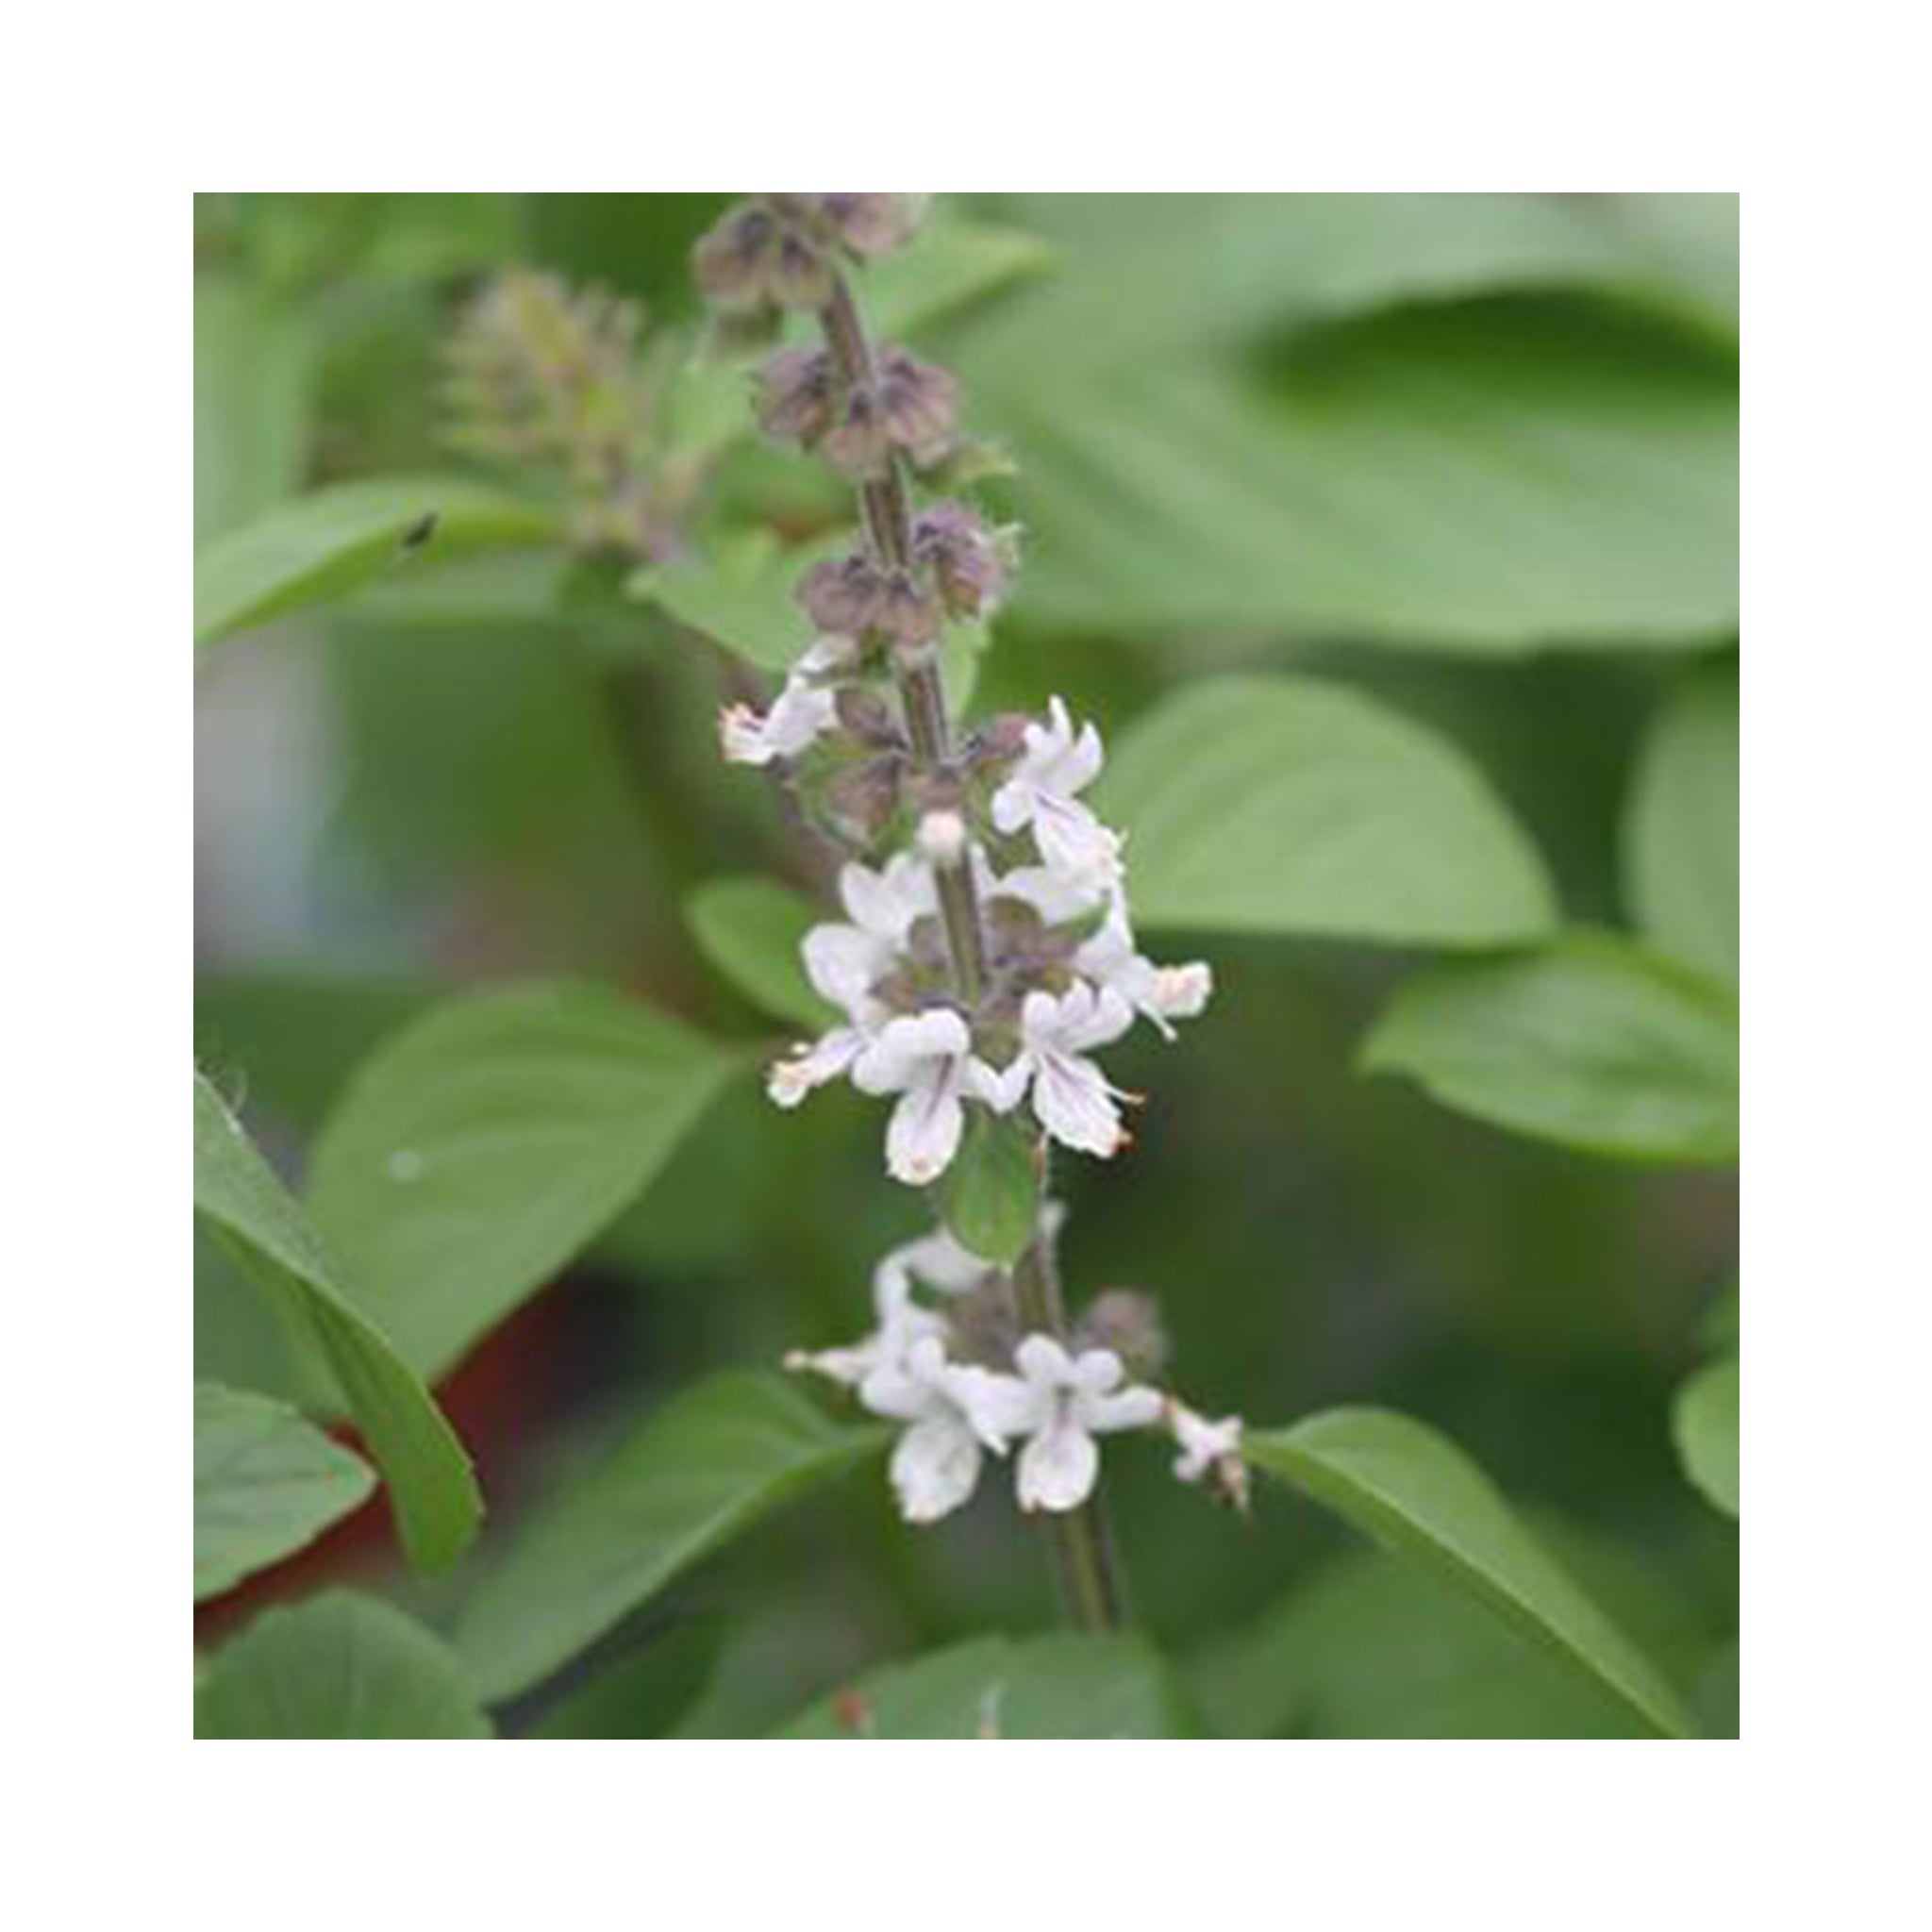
(968, 566)
(998, 741)
(759, 256)
(862, 800)
(1128, 1322)
(868, 717)
(872, 224)
(795, 395)
(942, 839)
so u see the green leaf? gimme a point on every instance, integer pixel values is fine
(742, 594)
(647, 1695)
(255, 366)
(1373, 1647)
(1068, 1685)
(432, 1490)
(1419, 1495)
(341, 1665)
(694, 1476)
(954, 265)
(266, 1482)
(1279, 804)
(1590, 1042)
(991, 1190)
(1704, 1421)
(1680, 838)
(325, 544)
(750, 929)
(1493, 479)
(485, 1145)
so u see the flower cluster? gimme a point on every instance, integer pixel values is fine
(1061, 974)
(553, 379)
(964, 1385)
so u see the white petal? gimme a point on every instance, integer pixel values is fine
(997, 1407)
(886, 902)
(1044, 1361)
(1127, 1409)
(1074, 1103)
(800, 713)
(935, 1468)
(1001, 1088)
(903, 1047)
(924, 1133)
(790, 1079)
(1013, 805)
(841, 961)
(1092, 1018)
(1057, 1469)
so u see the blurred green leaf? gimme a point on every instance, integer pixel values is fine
(991, 1190)
(1491, 480)
(485, 1145)
(325, 544)
(750, 930)
(643, 1695)
(1373, 1647)
(1151, 277)
(1680, 838)
(1704, 1421)
(694, 1474)
(741, 596)
(432, 1490)
(1418, 1494)
(956, 265)
(1592, 1042)
(341, 1665)
(1067, 1684)
(266, 1482)
(255, 369)
(1280, 805)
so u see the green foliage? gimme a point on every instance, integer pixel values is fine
(1590, 1042)
(750, 930)
(1680, 841)
(992, 1193)
(322, 546)
(255, 374)
(691, 1477)
(1704, 1421)
(1280, 805)
(266, 1482)
(432, 1488)
(1417, 1493)
(484, 1145)
(740, 596)
(341, 1665)
(1062, 1685)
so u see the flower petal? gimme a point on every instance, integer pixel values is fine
(1057, 1469)
(1074, 1103)
(934, 1466)
(904, 1046)
(924, 1133)
(790, 1079)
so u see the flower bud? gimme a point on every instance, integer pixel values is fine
(968, 566)
(868, 717)
(795, 395)
(942, 839)
(1128, 1322)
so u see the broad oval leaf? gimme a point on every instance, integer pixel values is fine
(1680, 839)
(1067, 1684)
(1590, 1042)
(341, 1665)
(327, 543)
(1417, 1493)
(1279, 804)
(690, 1478)
(750, 929)
(431, 1487)
(1490, 477)
(267, 1481)
(1704, 1421)
(486, 1143)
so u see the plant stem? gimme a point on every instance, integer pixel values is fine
(1082, 1540)
(1082, 1545)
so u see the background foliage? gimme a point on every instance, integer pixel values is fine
(1393, 541)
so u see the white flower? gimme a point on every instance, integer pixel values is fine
(801, 713)
(900, 1327)
(937, 1259)
(1202, 1443)
(1070, 1095)
(927, 1058)
(953, 1415)
(1061, 1404)
(844, 960)
(1057, 897)
(1055, 764)
(1164, 993)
